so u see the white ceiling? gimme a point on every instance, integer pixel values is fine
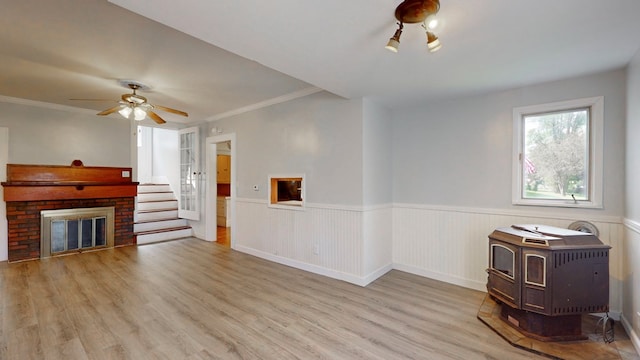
(250, 53)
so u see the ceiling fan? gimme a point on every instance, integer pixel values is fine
(136, 105)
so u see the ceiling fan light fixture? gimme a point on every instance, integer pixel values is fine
(136, 104)
(125, 111)
(139, 113)
(394, 41)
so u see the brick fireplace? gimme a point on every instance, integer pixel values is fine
(30, 189)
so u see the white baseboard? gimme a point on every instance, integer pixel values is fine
(475, 285)
(350, 278)
(635, 340)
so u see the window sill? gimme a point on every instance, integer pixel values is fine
(559, 204)
(288, 205)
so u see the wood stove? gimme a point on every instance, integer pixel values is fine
(546, 277)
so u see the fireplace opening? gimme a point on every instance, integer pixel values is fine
(67, 231)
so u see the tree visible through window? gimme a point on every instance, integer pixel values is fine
(558, 152)
(556, 155)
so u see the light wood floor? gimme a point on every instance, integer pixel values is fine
(223, 236)
(190, 299)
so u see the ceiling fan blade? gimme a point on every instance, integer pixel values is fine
(164, 108)
(110, 111)
(155, 117)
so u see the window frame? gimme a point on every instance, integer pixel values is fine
(595, 146)
(273, 192)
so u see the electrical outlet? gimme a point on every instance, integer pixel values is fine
(316, 249)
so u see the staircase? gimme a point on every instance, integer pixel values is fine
(156, 217)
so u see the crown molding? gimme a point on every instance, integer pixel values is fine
(266, 103)
(45, 105)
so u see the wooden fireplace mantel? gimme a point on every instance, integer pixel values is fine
(58, 182)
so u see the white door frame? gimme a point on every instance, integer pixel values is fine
(211, 185)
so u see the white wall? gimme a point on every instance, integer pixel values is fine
(319, 135)
(631, 295)
(166, 157)
(376, 189)
(458, 152)
(51, 136)
(452, 180)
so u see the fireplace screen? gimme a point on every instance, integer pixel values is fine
(74, 230)
(78, 234)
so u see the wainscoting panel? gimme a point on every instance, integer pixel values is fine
(378, 234)
(360, 244)
(451, 244)
(325, 240)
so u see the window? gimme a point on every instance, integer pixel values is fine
(286, 191)
(558, 154)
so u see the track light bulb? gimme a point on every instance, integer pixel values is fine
(431, 22)
(433, 43)
(394, 41)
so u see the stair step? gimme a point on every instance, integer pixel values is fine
(156, 231)
(156, 215)
(157, 210)
(157, 236)
(156, 196)
(150, 188)
(157, 205)
(149, 225)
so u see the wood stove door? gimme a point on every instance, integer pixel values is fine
(535, 281)
(504, 272)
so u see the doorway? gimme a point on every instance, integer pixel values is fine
(220, 199)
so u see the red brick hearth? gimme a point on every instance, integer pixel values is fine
(23, 218)
(30, 189)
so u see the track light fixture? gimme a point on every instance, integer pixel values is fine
(417, 11)
(433, 43)
(394, 42)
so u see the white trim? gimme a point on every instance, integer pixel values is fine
(353, 279)
(471, 284)
(633, 336)
(266, 103)
(288, 205)
(512, 212)
(308, 205)
(632, 225)
(45, 105)
(596, 148)
(460, 209)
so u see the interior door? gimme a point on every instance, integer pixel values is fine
(189, 174)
